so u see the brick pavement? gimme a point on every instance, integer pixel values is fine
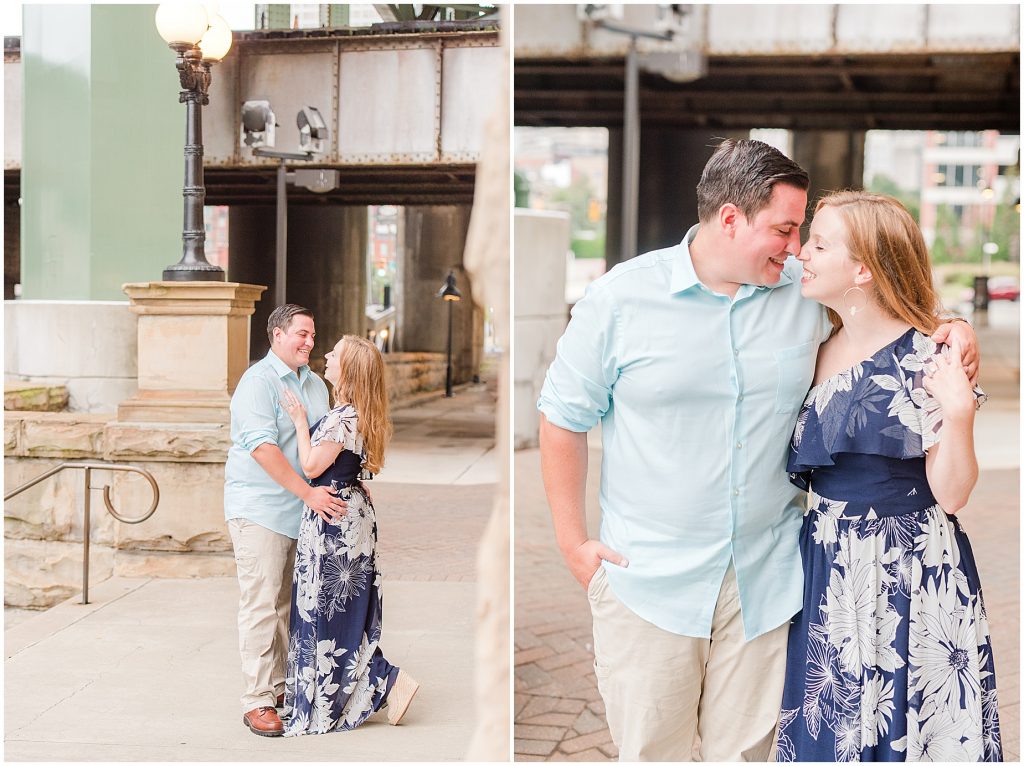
(430, 531)
(558, 711)
(559, 715)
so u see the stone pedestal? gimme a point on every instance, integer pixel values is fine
(193, 348)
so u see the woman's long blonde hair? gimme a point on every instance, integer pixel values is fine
(363, 384)
(881, 234)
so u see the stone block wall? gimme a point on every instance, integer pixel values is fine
(414, 372)
(185, 537)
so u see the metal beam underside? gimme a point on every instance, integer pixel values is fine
(954, 91)
(430, 185)
(450, 185)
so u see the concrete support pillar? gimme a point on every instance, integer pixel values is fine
(193, 340)
(326, 267)
(671, 161)
(541, 241)
(251, 231)
(102, 163)
(327, 253)
(434, 240)
(487, 261)
(833, 158)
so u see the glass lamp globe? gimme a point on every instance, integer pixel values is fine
(217, 40)
(181, 22)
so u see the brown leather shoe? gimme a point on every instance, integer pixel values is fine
(264, 721)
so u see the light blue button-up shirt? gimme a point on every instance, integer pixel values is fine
(257, 417)
(697, 395)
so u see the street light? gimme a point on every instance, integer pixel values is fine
(450, 293)
(258, 123)
(199, 41)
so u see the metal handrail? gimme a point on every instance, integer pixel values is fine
(89, 468)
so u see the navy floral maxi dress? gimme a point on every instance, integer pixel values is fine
(336, 676)
(890, 659)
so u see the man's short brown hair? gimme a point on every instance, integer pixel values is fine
(744, 173)
(282, 317)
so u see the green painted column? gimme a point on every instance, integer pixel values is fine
(102, 154)
(334, 15)
(274, 16)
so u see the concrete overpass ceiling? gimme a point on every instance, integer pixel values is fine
(891, 91)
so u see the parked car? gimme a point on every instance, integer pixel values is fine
(1003, 289)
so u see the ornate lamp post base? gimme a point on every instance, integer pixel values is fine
(194, 272)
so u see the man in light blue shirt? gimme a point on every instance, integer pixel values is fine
(695, 360)
(264, 494)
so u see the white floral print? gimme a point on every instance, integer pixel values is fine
(891, 658)
(337, 675)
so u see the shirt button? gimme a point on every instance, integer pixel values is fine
(739, 445)
(739, 398)
(736, 492)
(735, 352)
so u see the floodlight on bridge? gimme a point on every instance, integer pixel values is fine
(599, 12)
(313, 130)
(258, 123)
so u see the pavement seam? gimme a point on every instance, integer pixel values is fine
(55, 704)
(474, 463)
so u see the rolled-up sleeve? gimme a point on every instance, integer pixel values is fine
(578, 386)
(254, 411)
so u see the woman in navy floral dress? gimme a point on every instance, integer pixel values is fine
(337, 676)
(890, 659)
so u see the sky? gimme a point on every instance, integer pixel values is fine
(237, 15)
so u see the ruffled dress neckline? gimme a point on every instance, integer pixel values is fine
(877, 407)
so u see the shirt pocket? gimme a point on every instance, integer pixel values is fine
(795, 369)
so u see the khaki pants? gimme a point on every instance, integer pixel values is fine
(264, 561)
(674, 698)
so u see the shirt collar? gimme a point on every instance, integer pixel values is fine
(282, 369)
(684, 277)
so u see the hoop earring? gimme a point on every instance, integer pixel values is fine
(853, 309)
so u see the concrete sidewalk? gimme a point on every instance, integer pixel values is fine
(149, 670)
(559, 715)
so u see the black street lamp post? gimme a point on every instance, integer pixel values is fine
(450, 293)
(198, 42)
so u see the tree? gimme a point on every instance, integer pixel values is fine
(947, 246)
(588, 235)
(882, 184)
